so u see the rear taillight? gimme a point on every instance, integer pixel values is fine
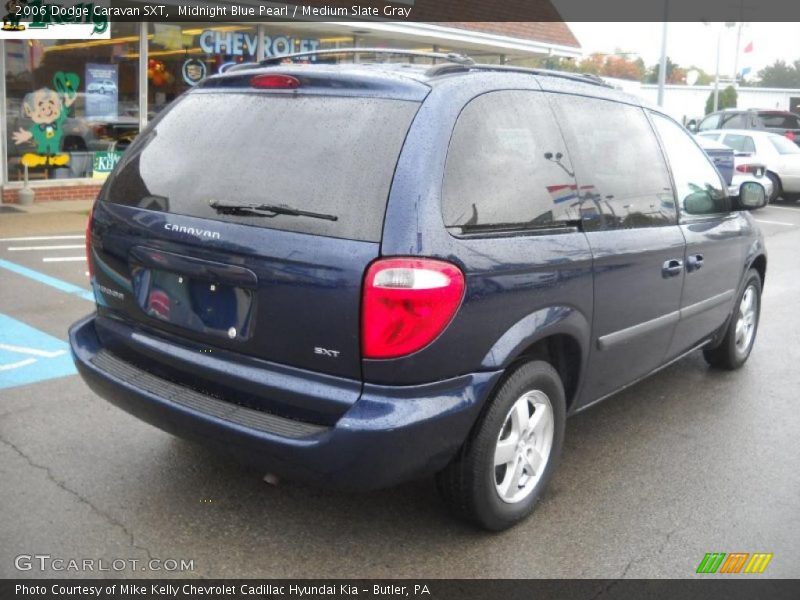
(89, 260)
(789, 135)
(275, 82)
(407, 303)
(748, 169)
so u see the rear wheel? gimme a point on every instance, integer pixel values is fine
(740, 336)
(776, 187)
(504, 466)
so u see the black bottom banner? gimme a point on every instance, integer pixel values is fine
(429, 589)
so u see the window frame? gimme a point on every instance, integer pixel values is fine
(684, 217)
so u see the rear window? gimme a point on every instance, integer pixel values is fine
(321, 154)
(740, 143)
(784, 145)
(779, 120)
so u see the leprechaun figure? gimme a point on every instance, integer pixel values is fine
(11, 22)
(48, 109)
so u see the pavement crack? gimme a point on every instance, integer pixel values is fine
(109, 518)
(637, 559)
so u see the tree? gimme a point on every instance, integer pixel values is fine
(622, 68)
(675, 74)
(780, 74)
(703, 78)
(727, 99)
(592, 64)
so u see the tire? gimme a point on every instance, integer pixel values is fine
(734, 349)
(776, 187)
(471, 484)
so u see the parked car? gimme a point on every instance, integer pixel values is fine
(721, 155)
(781, 122)
(424, 271)
(102, 86)
(735, 167)
(781, 157)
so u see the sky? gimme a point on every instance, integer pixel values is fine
(694, 44)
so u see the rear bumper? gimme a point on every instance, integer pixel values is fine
(390, 435)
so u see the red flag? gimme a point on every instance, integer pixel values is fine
(749, 47)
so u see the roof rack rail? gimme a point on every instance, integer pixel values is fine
(445, 69)
(450, 57)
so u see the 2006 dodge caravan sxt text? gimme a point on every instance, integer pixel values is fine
(360, 274)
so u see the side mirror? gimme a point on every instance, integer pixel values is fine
(692, 126)
(751, 196)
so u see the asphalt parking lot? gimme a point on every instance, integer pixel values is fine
(688, 462)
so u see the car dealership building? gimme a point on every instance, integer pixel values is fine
(105, 90)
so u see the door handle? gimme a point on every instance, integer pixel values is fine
(672, 267)
(694, 262)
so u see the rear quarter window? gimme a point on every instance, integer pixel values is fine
(507, 167)
(779, 120)
(315, 153)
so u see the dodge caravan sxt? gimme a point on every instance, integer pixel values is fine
(359, 274)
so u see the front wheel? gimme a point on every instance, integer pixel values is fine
(504, 466)
(735, 347)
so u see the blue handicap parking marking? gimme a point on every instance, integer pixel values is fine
(28, 355)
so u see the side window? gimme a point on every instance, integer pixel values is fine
(740, 143)
(507, 166)
(698, 184)
(623, 178)
(735, 121)
(710, 122)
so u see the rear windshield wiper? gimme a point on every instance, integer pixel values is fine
(266, 210)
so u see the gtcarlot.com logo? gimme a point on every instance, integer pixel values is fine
(734, 562)
(46, 562)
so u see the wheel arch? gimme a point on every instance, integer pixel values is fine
(759, 263)
(558, 334)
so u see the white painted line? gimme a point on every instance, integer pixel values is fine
(41, 238)
(32, 351)
(63, 258)
(64, 247)
(17, 365)
(794, 210)
(776, 223)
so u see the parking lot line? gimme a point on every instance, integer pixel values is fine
(47, 280)
(776, 223)
(36, 248)
(795, 210)
(42, 238)
(63, 258)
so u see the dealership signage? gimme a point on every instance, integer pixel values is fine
(239, 43)
(103, 163)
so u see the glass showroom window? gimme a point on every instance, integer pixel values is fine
(181, 55)
(68, 102)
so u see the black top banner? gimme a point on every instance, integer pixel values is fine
(442, 11)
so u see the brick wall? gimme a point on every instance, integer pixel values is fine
(48, 193)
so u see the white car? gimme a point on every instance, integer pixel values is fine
(778, 153)
(735, 167)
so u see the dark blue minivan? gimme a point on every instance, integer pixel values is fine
(360, 274)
